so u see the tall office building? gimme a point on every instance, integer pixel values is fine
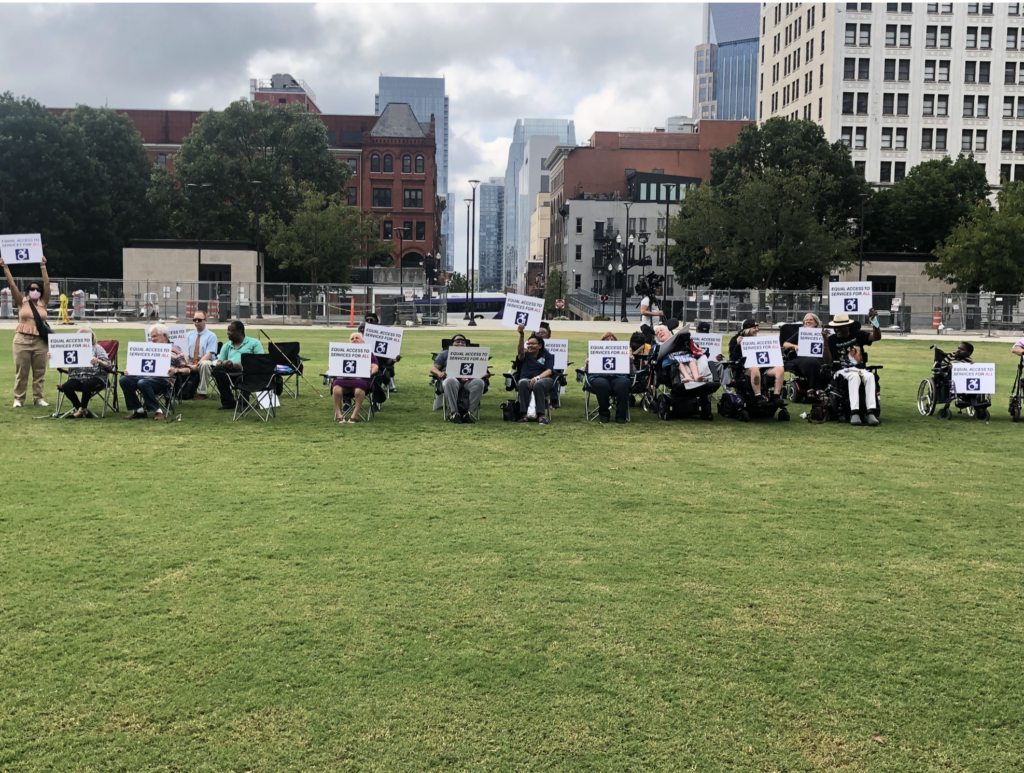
(901, 83)
(491, 203)
(725, 63)
(520, 195)
(426, 96)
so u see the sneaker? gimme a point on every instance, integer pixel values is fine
(521, 421)
(17, 403)
(604, 418)
(855, 420)
(42, 403)
(158, 416)
(456, 418)
(135, 415)
(542, 420)
(620, 421)
(873, 420)
(467, 418)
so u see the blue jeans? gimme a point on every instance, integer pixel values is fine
(149, 387)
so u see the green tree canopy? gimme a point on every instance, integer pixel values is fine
(457, 283)
(985, 250)
(921, 210)
(554, 288)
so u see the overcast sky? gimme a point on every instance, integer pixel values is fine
(607, 66)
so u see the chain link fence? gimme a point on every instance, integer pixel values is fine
(117, 300)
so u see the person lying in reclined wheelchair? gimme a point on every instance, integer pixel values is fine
(462, 395)
(845, 351)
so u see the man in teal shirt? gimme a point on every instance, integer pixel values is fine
(230, 361)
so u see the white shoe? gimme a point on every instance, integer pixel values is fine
(17, 403)
(42, 403)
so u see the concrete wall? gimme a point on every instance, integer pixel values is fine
(181, 265)
(909, 276)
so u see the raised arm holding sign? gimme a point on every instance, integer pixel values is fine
(522, 310)
(536, 369)
(30, 335)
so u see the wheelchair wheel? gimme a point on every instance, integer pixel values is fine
(782, 415)
(926, 397)
(981, 414)
(794, 393)
(945, 413)
(1015, 409)
(743, 415)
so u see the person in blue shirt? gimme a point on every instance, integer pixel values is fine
(469, 390)
(200, 351)
(230, 361)
(536, 373)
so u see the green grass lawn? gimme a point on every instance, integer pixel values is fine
(407, 595)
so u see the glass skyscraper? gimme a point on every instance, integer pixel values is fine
(725, 63)
(426, 97)
(491, 228)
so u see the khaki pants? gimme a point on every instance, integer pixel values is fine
(29, 353)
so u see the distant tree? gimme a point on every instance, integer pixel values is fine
(457, 283)
(921, 210)
(985, 250)
(554, 288)
(324, 238)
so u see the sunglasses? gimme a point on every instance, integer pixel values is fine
(199, 319)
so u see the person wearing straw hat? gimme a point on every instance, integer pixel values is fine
(846, 348)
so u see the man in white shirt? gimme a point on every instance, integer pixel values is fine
(650, 310)
(201, 348)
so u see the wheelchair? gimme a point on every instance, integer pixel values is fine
(798, 387)
(554, 400)
(837, 393)
(940, 390)
(738, 400)
(672, 398)
(1017, 394)
(375, 397)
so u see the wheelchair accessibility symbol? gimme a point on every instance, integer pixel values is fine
(381, 347)
(816, 348)
(21, 254)
(70, 357)
(348, 367)
(850, 304)
(607, 363)
(974, 385)
(763, 358)
(522, 317)
(466, 369)
(149, 366)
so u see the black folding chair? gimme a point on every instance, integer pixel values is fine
(259, 381)
(286, 357)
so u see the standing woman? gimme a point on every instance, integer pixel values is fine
(29, 344)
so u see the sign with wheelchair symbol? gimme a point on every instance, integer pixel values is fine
(810, 343)
(70, 350)
(468, 361)
(21, 248)
(711, 343)
(522, 310)
(148, 359)
(346, 360)
(559, 348)
(608, 357)
(974, 378)
(761, 351)
(386, 341)
(849, 297)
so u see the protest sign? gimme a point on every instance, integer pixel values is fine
(761, 351)
(810, 343)
(522, 310)
(148, 360)
(711, 343)
(268, 400)
(70, 350)
(559, 348)
(386, 341)
(21, 248)
(608, 358)
(849, 297)
(467, 361)
(177, 334)
(974, 378)
(348, 360)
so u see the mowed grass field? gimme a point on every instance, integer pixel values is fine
(409, 595)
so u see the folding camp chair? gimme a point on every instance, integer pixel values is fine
(372, 403)
(289, 365)
(440, 398)
(256, 390)
(109, 392)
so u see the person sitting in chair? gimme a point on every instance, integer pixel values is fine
(356, 387)
(808, 368)
(89, 381)
(386, 363)
(469, 389)
(535, 377)
(230, 361)
(150, 385)
(201, 350)
(846, 348)
(605, 385)
(756, 375)
(543, 331)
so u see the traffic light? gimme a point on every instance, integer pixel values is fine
(604, 297)
(430, 267)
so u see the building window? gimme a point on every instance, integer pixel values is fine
(944, 71)
(1011, 38)
(382, 197)
(969, 71)
(389, 164)
(902, 104)
(982, 111)
(819, 105)
(851, 35)
(888, 100)
(931, 36)
(862, 103)
(967, 139)
(353, 164)
(942, 105)
(904, 35)
(885, 172)
(579, 225)
(352, 196)
(1006, 144)
(889, 71)
(374, 163)
(577, 280)
(984, 69)
(926, 139)
(421, 231)
(929, 70)
(904, 69)
(419, 164)
(848, 97)
(901, 138)
(940, 139)
(1004, 172)
(899, 171)
(986, 38)
(972, 37)
(863, 69)
(1020, 107)
(945, 37)
(1007, 109)
(1010, 73)
(890, 35)
(860, 141)
(386, 231)
(412, 198)
(1018, 145)
(859, 167)
(847, 136)
(968, 107)
(865, 34)
(406, 164)
(849, 69)
(579, 252)
(981, 140)
(886, 138)
(161, 160)
(928, 106)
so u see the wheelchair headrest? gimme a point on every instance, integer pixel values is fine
(446, 342)
(788, 330)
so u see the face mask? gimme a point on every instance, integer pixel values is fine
(34, 294)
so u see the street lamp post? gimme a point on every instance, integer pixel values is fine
(197, 187)
(472, 247)
(860, 269)
(469, 273)
(259, 258)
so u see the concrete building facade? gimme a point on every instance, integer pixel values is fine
(540, 229)
(900, 83)
(491, 207)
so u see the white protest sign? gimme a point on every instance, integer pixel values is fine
(21, 248)
(178, 335)
(522, 310)
(849, 297)
(608, 358)
(148, 360)
(761, 351)
(70, 351)
(559, 348)
(810, 343)
(467, 361)
(711, 343)
(386, 341)
(974, 378)
(348, 360)
(267, 400)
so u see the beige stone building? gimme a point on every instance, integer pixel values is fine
(540, 230)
